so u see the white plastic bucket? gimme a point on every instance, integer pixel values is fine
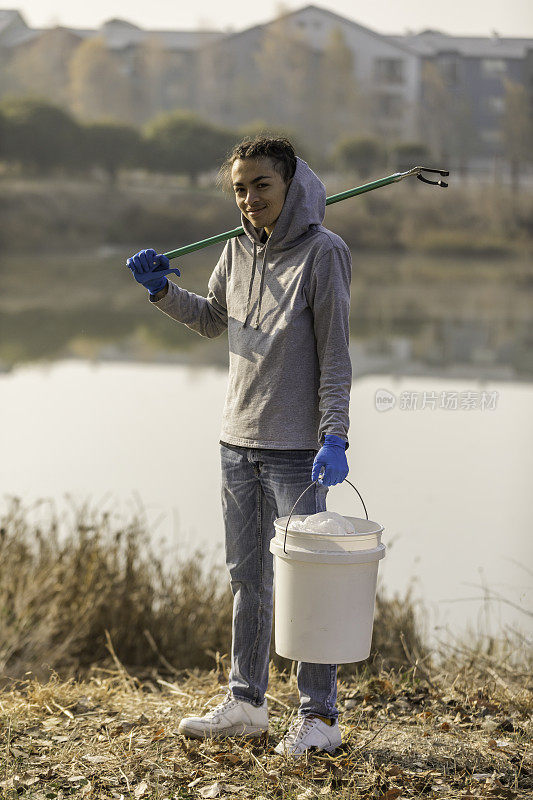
(325, 589)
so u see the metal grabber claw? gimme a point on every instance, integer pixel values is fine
(442, 172)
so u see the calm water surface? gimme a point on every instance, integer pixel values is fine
(452, 487)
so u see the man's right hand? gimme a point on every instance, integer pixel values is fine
(146, 267)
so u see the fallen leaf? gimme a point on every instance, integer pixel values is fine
(140, 789)
(124, 727)
(391, 772)
(96, 759)
(211, 791)
(392, 794)
(232, 758)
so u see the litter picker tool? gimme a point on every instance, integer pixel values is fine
(335, 198)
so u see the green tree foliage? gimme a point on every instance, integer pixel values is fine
(181, 142)
(39, 135)
(260, 127)
(361, 154)
(411, 154)
(111, 146)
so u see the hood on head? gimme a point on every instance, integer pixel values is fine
(304, 206)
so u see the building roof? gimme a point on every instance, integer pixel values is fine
(399, 42)
(325, 11)
(13, 28)
(430, 43)
(117, 33)
(120, 34)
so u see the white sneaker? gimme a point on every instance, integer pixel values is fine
(232, 717)
(306, 732)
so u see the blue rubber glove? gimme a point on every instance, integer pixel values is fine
(149, 268)
(332, 456)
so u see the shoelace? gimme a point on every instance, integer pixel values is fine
(298, 729)
(228, 701)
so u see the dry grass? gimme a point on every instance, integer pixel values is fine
(66, 581)
(114, 735)
(116, 652)
(54, 214)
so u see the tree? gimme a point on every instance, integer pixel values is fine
(286, 68)
(183, 143)
(410, 154)
(445, 118)
(362, 154)
(40, 67)
(341, 109)
(517, 129)
(436, 112)
(40, 135)
(100, 87)
(111, 145)
(260, 127)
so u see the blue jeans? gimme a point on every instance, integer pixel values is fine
(259, 485)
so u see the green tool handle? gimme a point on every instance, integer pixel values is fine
(335, 198)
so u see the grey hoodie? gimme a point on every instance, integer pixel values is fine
(285, 303)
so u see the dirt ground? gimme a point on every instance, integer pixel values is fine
(461, 732)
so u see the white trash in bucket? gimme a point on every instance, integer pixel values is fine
(325, 586)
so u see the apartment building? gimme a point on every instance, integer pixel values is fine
(311, 70)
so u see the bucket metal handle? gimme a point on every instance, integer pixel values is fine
(302, 494)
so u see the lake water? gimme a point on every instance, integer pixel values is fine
(451, 486)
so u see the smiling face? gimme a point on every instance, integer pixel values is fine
(260, 191)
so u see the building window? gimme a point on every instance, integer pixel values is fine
(389, 105)
(311, 24)
(449, 69)
(389, 70)
(493, 67)
(496, 104)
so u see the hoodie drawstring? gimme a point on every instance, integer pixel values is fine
(256, 323)
(250, 287)
(261, 288)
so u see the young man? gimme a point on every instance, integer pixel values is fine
(282, 290)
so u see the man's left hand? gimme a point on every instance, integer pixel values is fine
(332, 456)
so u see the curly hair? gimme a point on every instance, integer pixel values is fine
(279, 149)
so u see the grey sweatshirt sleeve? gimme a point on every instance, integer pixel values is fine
(207, 316)
(329, 299)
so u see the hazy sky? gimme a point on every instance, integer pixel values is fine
(481, 17)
